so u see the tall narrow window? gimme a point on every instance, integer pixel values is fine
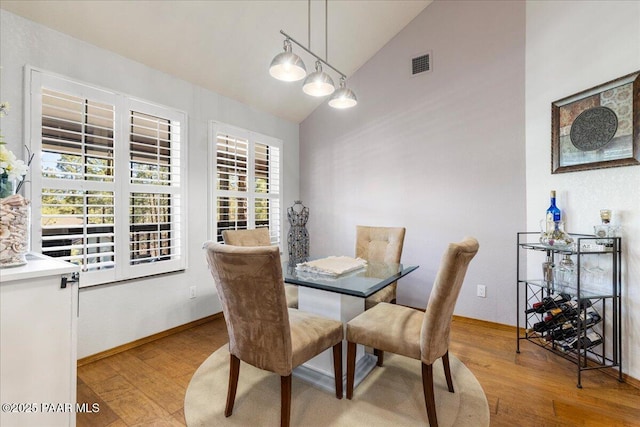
(154, 170)
(77, 170)
(247, 181)
(108, 180)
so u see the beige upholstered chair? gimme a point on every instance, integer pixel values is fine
(262, 330)
(258, 237)
(380, 244)
(412, 333)
(255, 237)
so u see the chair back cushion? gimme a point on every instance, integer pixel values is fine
(379, 244)
(434, 335)
(251, 290)
(255, 237)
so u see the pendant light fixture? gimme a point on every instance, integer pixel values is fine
(343, 97)
(318, 83)
(288, 66)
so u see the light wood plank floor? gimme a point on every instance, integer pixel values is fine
(145, 386)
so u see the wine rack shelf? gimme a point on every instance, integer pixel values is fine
(573, 308)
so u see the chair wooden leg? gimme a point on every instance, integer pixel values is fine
(351, 367)
(234, 371)
(337, 368)
(380, 355)
(447, 371)
(285, 400)
(429, 397)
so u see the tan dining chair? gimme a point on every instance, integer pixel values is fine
(255, 237)
(263, 332)
(412, 333)
(380, 244)
(258, 237)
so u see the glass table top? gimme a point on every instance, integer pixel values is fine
(359, 283)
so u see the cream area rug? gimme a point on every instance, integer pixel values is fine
(389, 396)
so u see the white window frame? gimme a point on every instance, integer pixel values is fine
(121, 186)
(253, 138)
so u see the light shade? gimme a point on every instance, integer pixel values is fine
(287, 66)
(343, 97)
(318, 83)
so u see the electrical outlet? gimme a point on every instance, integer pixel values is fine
(482, 291)
(192, 292)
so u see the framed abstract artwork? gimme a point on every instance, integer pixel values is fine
(598, 127)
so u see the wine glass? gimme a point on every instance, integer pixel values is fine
(566, 273)
(594, 276)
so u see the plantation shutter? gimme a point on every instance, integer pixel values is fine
(77, 179)
(155, 197)
(108, 180)
(247, 181)
(232, 170)
(267, 189)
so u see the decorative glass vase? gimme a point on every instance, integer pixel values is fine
(15, 229)
(552, 234)
(7, 186)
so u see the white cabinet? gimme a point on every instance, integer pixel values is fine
(38, 343)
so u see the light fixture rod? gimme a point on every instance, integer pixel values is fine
(313, 54)
(326, 30)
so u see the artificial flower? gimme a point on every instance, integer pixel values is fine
(10, 166)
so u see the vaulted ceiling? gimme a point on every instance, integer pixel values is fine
(227, 46)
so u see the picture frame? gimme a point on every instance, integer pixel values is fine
(598, 127)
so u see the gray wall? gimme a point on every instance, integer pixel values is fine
(113, 315)
(442, 154)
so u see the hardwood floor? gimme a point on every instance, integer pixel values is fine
(536, 387)
(145, 386)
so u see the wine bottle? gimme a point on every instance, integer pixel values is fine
(553, 213)
(566, 311)
(570, 327)
(585, 303)
(550, 322)
(548, 303)
(569, 309)
(587, 320)
(592, 339)
(565, 330)
(541, 326)
(566, 345)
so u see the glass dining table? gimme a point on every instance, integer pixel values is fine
(341, 298)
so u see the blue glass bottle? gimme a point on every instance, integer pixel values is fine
(553, 213)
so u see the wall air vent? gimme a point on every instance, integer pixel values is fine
(421, 64)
